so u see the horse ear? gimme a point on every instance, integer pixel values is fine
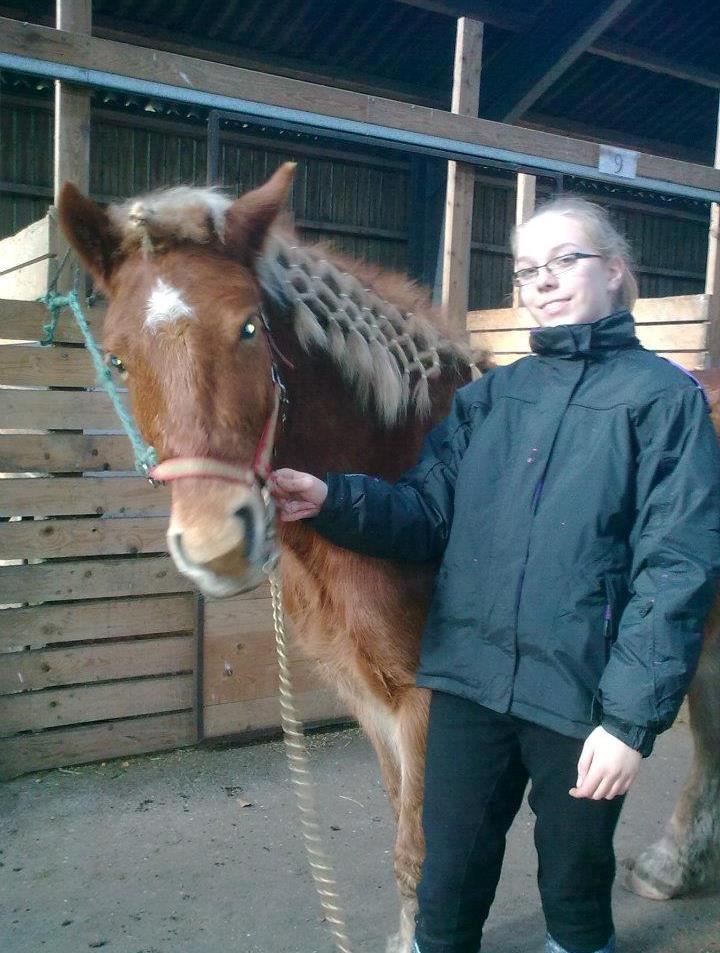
(88, 228)
(249, 218)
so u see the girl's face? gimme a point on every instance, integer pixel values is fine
(584, 292)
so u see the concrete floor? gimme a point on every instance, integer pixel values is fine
(198, 851)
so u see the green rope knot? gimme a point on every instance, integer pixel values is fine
(145, 455)
(54, 303)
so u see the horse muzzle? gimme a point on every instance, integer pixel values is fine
(222, 536)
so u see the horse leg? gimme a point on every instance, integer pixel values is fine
(688, 853)
(410, 844)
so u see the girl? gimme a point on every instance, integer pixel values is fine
(573, 500)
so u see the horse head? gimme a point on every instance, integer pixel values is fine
(185, 331)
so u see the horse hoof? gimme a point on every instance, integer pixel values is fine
(657, 873)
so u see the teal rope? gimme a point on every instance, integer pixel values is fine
(145, 455)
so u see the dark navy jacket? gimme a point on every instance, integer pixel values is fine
(573, 499)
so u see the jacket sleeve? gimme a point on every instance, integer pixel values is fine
(409, 519)
(675, 544)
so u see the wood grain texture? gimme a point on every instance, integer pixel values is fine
(39, 626)
(24, 320)
(64, 452)
(118, 739)
(258, 714)
(60, 410)
(90, 579)
(83, 496)
(671, 310)
(86, 703)
(47, 539)
(104, 661)
(656, 337)
(36, 366)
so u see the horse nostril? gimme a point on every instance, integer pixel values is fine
(244, 514)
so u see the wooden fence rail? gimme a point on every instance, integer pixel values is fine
(100, 636)
(675, 327)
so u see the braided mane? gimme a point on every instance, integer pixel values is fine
(384, 352)
(388, 354)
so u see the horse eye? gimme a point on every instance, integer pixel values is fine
(249, 329)
(117, 365)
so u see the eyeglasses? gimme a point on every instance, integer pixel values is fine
(556, 266)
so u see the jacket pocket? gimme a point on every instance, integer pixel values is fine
(617, 595)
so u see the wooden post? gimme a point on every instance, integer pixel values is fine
(461, 176)
(712, 273)
(72, 122)
(524, 207)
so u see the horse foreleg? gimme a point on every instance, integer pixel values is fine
(688, 854)
(410, 844)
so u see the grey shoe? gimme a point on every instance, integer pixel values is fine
(552, 946)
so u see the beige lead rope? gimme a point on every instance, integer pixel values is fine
(298, 763)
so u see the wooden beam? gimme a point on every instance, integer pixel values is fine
(506, 16)
(55, 46)
(461, 176)
(72, 107)
(712, 277)
(529, 64)
(71, 161)
(621, 52)
(173, 41)
(612, 137)
(524, 208)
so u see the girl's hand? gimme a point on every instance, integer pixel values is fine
(298, 495)
(607, 767)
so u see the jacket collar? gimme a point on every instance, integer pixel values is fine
(579, 340)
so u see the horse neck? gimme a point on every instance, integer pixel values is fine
(326, 429)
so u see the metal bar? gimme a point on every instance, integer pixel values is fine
(318, 124)
(213, 148)
(25, 264)
(31, 191)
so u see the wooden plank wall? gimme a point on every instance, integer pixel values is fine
(98, 632)
(97, 629)
(675, 327)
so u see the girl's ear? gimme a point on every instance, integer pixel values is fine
(248, 220)
(91, 233)
(616, 268)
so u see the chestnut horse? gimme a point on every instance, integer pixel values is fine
(210, 305)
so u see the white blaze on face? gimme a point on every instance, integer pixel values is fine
(165, 306)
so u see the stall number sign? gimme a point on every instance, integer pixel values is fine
(621, 162)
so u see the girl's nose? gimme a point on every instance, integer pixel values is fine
(545, 279)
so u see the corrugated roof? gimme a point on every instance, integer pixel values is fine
(395, 46)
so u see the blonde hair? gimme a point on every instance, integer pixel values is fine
(602, 235)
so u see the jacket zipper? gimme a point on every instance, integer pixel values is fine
(607, 633)
(535, 502)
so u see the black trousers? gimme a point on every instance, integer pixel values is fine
(478, 766)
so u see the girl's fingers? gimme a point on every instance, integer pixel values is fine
(298, 515)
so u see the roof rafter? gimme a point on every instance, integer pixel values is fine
(622, 52)
(529, 64)
(504, 15)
